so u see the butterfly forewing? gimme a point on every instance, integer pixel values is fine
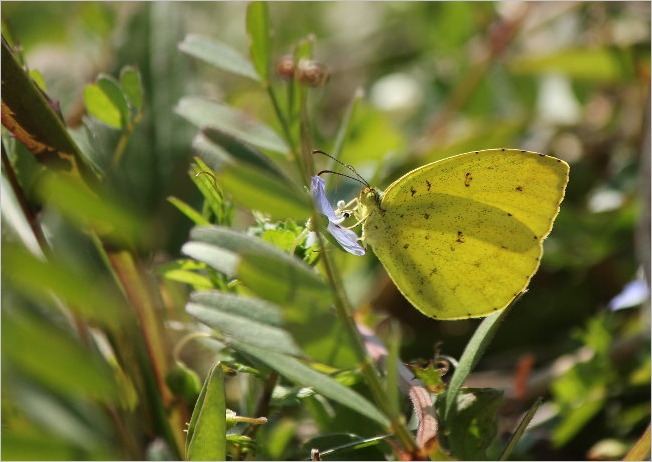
(462, 237)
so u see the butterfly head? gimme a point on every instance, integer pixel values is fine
(368, 201)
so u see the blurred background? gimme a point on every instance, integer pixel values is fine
(570, 79)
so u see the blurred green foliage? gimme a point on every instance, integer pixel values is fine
(102, 340)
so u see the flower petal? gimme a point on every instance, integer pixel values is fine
(347, 239)
(318, 192)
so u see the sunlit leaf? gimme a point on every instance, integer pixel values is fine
(188, 211)
(258, 30)
(100, 106)
(112, 89)
(218, 54)
(601, 64)
(472, 354)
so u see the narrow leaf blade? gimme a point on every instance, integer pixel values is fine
(472, 353)
(207, 428)
(204, 114)
(304, 375)
(258, 30)
(218, 54)
(257, 190)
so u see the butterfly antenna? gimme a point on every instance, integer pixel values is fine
(345, 175)
(357, 177)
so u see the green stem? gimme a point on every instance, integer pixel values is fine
(124, 139)
(366, 363)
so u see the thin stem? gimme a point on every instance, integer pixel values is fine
(124, 139)
(366, 363)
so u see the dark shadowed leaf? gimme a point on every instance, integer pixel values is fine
(203, 113)
(132, 86)
(472, 424)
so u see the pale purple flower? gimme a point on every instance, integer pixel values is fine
(345, 237)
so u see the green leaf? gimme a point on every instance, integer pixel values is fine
(370, 135)
(258, 190)
(472, 354)
(132, 86)
(219, 149)
(472, 427)
(183, 381)
(206, 438)
(218, 54)
(56, 359)
(600, 64)
(99, 105)
(206, 182)
(82, 206)
(243, 328)
(258, 30)
(34, 120)
(204, 114)
(72, 419)
(303, 375)
(112, 89)
(257, 310)
(269, 272)
(35, 277)
(346, 446)
(37, 445)
(38, 79)
(224, 261)
(391, 367)
(282, 279)
(520, 430)
(184, 271)
(188, 211)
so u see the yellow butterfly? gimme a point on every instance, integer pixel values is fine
(463, 236)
